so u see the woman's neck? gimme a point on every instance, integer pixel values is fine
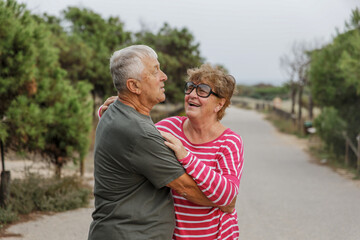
(202, 131)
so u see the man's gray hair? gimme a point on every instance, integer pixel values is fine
(127, 63)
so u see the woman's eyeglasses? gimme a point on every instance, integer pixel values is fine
(202, 90)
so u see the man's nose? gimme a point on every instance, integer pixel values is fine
(163, 77)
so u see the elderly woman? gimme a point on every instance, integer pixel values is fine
(211, 153)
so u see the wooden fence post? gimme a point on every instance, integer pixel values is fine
(82, 167)
(346, 153)
(358, 154)
(2, 155)
(5, 180)
(346, 148)
(354, 148)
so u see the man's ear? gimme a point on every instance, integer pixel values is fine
(133, 85)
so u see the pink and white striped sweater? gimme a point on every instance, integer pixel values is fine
(216, 167)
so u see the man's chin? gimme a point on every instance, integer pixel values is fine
(163, 99)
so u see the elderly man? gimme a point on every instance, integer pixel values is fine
(134, 170)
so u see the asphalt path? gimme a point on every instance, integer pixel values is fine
(283, 195)
(286, 196)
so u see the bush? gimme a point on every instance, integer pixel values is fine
(284, 125)
(7, 216)
(330, 126)
(36, 193)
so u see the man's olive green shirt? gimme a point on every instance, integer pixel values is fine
(132, 167)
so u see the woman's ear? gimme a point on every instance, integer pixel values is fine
(133, 85)
(220, 105)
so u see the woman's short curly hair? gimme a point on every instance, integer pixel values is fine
(221, 83)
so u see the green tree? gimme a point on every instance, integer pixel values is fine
(41, 111)
(92, 40)
(335, 78)
(349, 63)
(74, 53)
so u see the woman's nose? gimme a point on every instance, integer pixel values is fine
(193, 93)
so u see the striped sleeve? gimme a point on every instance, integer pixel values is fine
(99, 111)
(220, 186)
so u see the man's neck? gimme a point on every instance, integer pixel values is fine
(135, 103)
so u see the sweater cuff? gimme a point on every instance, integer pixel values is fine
(184, 161)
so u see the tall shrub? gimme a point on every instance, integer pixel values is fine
(41, 111)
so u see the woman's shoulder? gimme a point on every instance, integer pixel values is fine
(231, 135)
(175, 121)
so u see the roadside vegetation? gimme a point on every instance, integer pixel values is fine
(35, 193)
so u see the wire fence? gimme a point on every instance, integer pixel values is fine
(349, 145)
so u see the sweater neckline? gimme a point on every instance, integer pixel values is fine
(205, 143)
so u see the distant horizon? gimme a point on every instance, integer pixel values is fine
(252, 82)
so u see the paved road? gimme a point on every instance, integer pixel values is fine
(282, 194)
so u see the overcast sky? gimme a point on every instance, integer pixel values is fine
(246, 36)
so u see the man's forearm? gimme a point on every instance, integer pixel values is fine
(186, 187)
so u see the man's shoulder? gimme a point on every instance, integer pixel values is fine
(121, 120)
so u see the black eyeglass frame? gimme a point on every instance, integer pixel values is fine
(196, 86)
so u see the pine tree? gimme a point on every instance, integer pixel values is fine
(42, 112)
